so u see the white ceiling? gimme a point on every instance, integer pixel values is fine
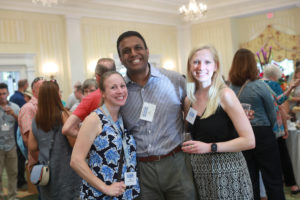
(152, 11)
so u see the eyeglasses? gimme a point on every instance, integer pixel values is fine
(36, 80)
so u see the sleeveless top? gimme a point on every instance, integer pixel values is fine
(104, 161)
(64, 182)
(216, 128)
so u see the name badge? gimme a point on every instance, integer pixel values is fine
(147, 112)
(130, 178)
(191, 116)
(5, 127)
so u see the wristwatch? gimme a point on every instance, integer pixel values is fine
(214, 147)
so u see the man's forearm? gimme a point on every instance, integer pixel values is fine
(71, 126)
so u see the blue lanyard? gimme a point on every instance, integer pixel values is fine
(119, 127)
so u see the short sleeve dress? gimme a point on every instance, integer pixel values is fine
(219, 175)
(104, 161)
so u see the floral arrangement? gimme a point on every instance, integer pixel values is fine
(283, 82)
(266, 58)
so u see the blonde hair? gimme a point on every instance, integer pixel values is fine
(272, 71)
(217, 82)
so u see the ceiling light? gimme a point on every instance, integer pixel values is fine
(193, 11)
(45, 2)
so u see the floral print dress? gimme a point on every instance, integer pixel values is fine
(104, 161)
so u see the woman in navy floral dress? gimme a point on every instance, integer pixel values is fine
(108, 147)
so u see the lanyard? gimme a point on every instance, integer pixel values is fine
(119, 127)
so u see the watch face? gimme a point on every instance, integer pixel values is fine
(214, 147)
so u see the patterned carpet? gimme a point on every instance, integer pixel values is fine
(23, 193)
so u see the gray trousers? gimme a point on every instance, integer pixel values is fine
(9, 161)
(168, 179)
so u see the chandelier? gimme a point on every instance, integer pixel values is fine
(45, 2)
(193, 11)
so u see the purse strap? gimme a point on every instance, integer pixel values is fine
(119, 174)
(242, 88)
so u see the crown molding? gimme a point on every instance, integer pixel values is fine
(149, 11)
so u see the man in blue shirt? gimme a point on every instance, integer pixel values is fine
(153, 114)
(18, 96)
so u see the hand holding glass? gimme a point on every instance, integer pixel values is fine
(246, 107)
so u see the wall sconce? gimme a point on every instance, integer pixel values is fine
(169, 64)
(92, 66)
(50, 69)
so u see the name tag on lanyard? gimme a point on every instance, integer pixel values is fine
(130, 178)
(191, 116)
(148, 111)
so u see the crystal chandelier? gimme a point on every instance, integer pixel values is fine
(45, 2)
(193, 11)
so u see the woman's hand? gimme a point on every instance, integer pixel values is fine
(115, 189)
(294, 83)
(195, 147)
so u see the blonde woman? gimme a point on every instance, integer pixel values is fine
(219, 167)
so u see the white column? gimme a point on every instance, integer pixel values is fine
(184, 46)
(74, 45)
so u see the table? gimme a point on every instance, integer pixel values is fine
(293, 145)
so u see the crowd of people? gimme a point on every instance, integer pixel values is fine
(123, 137)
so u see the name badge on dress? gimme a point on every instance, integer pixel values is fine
(191, 116)
(130, 178)
(5, 127)
(147, 112)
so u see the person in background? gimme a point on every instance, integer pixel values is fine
(110, 149)
(8, 153)
(271, 75)
(27, 95)
(90, 102)
(153, 113)
(26, 116)
(215, 147)
(295, 97)
(79, 95)
(64, 183)
(88, 86)
(19, 98)
(72, 99)
(243, 76)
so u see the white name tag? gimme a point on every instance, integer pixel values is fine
(130, 178)
(191, 116)
(147, 112)
(5, 127)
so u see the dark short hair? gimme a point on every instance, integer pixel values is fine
(130, 34)
(36, 80)
(22, 83)
(298, 63)
(3, 86)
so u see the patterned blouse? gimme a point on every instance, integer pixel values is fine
(104, 159)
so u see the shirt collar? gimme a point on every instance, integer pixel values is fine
(33, 100)
(154, 72)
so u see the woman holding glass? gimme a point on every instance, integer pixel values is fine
(265, 157)
(219, 167)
